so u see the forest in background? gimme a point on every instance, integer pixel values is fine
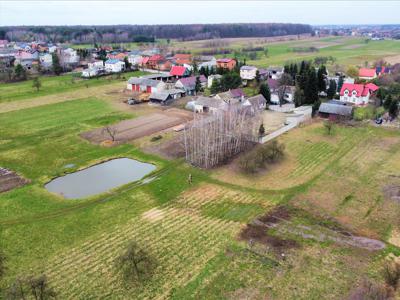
(147, 33)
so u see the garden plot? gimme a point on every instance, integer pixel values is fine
(136, 128)
(10, 180)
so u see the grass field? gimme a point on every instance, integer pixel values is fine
(346, 50)
(193, 230)
(57, 84)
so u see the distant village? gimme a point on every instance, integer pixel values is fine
(210, 83)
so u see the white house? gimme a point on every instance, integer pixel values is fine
(248, 72)
(97, 64)
(52, 49)
(275, 72)
(211, 79)
(114, 66)
(90, 72)
(288, 97)
(211, 64)
(46, 60)
(69, 56)
(357, 94)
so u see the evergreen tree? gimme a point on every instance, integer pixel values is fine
(394, 108)
(215, 86)
(127, 63)
(198, 85)
(265, 91)
(230, 80)
(321, 78)
(257, 76)
(299, 98)
(311, 90)
(388, 102)
(340, 84)
(20, 72)
(57, 69)
(332, 89)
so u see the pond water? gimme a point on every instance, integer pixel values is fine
(99, 178)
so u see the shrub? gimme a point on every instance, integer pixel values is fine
(372, 291)
(156, 138)
(364, 113)
(256, 159)
(391, 273)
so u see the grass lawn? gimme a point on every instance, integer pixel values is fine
(56, 84)
(192, 230)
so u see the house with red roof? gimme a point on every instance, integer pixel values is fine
(181, 59)
(154, 61)
(226, 63)
(357, 94)
(179, 71)
(368, 74)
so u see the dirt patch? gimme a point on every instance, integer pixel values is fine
(257, 231)
(170, 149)
(393, 59)
(392, 192)
(10, 180)
(128, 130)
(153, 215)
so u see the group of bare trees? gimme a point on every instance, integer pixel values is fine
(212, 139)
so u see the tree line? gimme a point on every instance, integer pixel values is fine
(147, 33)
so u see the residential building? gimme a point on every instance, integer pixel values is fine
(46, 60)
(248, 72)
(226, 63)
(211, 79)
(181, 59)
(275, 72)
(258, 102)
(179, 71)
(357, 94)
(114, 66)
(188, 84)
(3, 43)
(99, 64)
(153, 61)
(234, 94)
(368, 74)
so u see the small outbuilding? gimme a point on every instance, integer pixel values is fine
(334, 110)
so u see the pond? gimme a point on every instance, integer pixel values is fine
(99, 178)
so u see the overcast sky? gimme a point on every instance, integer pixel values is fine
(173, 12)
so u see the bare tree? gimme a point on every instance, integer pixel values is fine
(285, 81)
(212, 139)
(111, 131)
(31, 288)
(135, 263)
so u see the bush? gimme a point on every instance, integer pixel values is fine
(364, 113)
(257, 158)
(372, 291)
(156, 138)
(391, 273)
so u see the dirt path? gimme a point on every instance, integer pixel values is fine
(98, 91)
